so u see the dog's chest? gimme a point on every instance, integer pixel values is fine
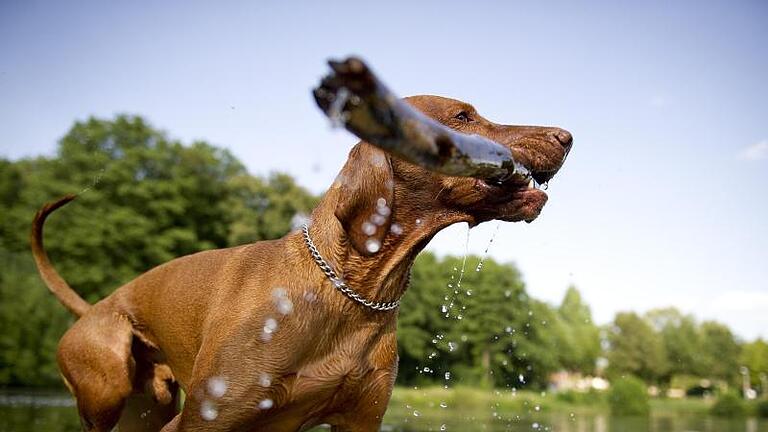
(344, 371)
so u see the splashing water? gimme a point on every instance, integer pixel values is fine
(265, 380)
(208, 410)
(298, 220)
(94, 183)
(217, 387)
(270, 326)
(372, 245)
(490, 242)
(282, 302)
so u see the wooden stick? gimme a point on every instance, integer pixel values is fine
(353, 97)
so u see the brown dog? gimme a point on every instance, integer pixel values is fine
(258, 336)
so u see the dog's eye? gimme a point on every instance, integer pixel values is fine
(463, 117)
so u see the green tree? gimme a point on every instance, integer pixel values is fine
(143, 200)
(628, 397)
(720, 352)
(482, 328)
(581, 346)
(635, 348)
(682, 341)
(754, 356)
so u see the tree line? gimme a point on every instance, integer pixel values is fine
(146, 199)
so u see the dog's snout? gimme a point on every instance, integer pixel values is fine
(564, 138)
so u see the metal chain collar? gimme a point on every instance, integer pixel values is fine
(339, 283)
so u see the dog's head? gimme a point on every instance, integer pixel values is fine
(375, 187)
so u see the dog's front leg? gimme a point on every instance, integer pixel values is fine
(368, 412)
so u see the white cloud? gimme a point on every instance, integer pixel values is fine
(756, 151)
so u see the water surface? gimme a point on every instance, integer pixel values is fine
(55, 411)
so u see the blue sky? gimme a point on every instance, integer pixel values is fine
(662, 201)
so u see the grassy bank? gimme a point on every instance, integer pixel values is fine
(470, 399)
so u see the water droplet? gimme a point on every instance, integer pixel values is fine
(396, 229)
(418, 221)
(270, 325)
(278, 293)
(266, 404)
(369, 228)
(447, 375)
(469, 292)
(444, 308)
(310, 296)
(442, 427)
(451, 346)
(416, 413)
(208, 410)
(521, 378)
(535, 425)
(378, 219)
(217, 387)
(443, 404)
(372, 245)
(265, 380)
(285, 306)
(381, 202)
(298, 221)
(507, 293)
(537, 408)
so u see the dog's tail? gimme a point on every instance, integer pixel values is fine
(58, 286)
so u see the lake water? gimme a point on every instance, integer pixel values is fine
(55, 411)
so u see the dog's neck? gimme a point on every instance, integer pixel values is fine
(383, 276)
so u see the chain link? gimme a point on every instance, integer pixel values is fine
(339, 283)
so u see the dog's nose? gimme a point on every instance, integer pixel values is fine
(564, 138)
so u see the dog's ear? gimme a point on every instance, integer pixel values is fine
(366, 195)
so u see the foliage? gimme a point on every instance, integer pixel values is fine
(681, 339)
(754, 356)
(582, 337)
(144, 199)
(635, 348)
(628, 396)
(483, 328)
(728, 404)
(720, 352)
(762, 408)
(591, 397)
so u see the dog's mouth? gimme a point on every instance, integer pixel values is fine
(518, 198)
